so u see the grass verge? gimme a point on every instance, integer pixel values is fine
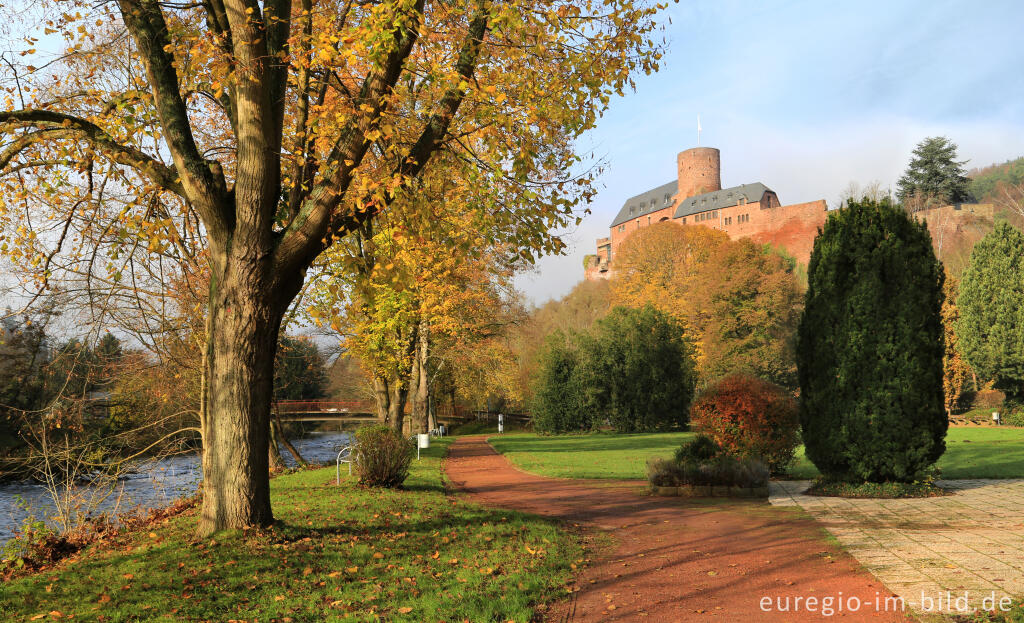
(336, 553)
(990, 452)
(970, 453)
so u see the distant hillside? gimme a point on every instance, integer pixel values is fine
(955, 232)
(986, 180)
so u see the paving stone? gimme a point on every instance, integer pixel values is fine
(970, 541)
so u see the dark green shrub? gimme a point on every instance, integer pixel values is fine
(640, 368)
(1013, 418)
(699, 449)
(870, 347)
(381, 456)
(558, 389)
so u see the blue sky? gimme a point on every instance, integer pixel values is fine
(807, 96)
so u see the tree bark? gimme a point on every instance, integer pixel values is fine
(382, 396)
(246, 314)
(421, 381)
(396, 410)
(391, 395)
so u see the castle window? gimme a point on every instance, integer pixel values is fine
(631, 209)
(668, 199)
(714, 214)
(684, 220)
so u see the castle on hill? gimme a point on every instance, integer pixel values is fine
(696, 197)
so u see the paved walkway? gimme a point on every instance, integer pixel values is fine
(673, 560)
(972, 541)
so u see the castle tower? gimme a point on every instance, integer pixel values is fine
(700, 171)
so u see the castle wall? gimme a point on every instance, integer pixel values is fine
(791, 227)
(632, 225)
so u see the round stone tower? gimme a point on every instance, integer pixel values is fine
(700, 171)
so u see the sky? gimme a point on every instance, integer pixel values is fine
(805, 96)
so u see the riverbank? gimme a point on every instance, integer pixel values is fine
(153, 483)
(411, 555)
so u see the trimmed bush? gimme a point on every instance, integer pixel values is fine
(381, 456)
(721, 471)
(749, 418)
(870, 348)
(699, 449)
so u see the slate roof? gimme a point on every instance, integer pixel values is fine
(651, 201)
(718, 199)
(661, 197)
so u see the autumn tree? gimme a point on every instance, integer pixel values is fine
(413, 294)
(740, 301)
(587, 302)
(280, 128)
(956, 373)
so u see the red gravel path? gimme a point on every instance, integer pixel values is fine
(675, 560)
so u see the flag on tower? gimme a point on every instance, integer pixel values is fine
(698, 130)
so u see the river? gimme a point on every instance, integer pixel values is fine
(152, 485)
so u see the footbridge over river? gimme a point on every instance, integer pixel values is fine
(327, 411)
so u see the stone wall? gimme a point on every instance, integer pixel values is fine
(792, 227)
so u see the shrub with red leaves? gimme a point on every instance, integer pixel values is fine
(749, 418)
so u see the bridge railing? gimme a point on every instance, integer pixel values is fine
(325, 406)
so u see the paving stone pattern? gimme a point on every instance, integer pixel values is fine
(970, 542)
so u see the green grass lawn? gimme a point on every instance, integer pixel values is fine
(970, 453)
(337, 553)
(599, 455)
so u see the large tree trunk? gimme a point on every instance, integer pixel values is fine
(396, 410)
(382, 396)
(241, 346)
(391, 395)
(421, 381)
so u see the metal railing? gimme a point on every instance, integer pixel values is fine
(347, 452)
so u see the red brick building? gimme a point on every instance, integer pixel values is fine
(696, 197)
